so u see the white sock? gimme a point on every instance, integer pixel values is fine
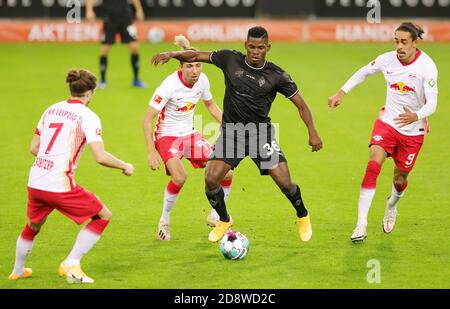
(365, 200)
(23, 249)
(85, 241)
(226, 192)
(395, 197)
(169, 203)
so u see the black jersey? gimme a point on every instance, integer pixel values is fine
(117, 8)
(250, 91)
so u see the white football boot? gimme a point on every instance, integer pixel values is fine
(163, 230)
(359, 234)
(390, 215)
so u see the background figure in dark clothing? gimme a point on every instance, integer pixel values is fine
(119, 19)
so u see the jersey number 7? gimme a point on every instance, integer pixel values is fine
(58, 127)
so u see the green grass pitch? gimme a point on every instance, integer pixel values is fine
(415, 255)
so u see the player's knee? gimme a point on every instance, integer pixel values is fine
(105, 214)
(229, 175)
(400, 183)
(179, 179)
(212, 180)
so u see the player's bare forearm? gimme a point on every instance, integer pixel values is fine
(107, 159)
(305, 114)
(214, 110)
(153, 157)
(35, 143)
(184, 55)
(147, 124)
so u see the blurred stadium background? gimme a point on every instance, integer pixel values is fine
(320, 43)
(227, 20)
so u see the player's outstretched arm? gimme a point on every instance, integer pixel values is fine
(35, 143)
(106, 159)
(314, 140)
(182, 55)
(356, 79)
(153, 157)
(214, 110)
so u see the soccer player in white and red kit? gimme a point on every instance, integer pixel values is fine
(62, 133)
(174, 102)
(411, 80)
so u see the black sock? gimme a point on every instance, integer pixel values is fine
(295, 197)
(216, 200)
(103, 65)
(135, 65)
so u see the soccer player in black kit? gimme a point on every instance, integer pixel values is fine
(251, 86)
(119, 19)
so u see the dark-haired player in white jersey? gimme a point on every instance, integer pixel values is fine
(174, 102)
(62, 133)
(251, 83)
(411, 81)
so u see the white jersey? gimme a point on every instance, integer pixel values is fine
(64, 128)
(407, 86)
(176, 100)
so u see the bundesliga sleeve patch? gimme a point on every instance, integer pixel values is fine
(157, 99)
(98, 131)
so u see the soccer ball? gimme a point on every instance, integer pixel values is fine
(234, 245)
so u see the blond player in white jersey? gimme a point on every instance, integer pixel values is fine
(62, 133)
(411, 80)
(174, 102)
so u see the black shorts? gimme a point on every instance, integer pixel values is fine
(122, 25)
(256, 141)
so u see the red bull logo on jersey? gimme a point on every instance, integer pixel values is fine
(187, 108)
(401, 87)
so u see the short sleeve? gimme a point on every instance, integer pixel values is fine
(161, 95)
(286, 86)
(219, 58)
(206, 93)
(430, 80)
(92, 128)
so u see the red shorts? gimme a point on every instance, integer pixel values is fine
(77, 204)
(404, 149)
(194, 147)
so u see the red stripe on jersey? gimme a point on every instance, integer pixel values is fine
(419, 52)
(79, 141)
(71, 101)
(160, 121)
(180, 76)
